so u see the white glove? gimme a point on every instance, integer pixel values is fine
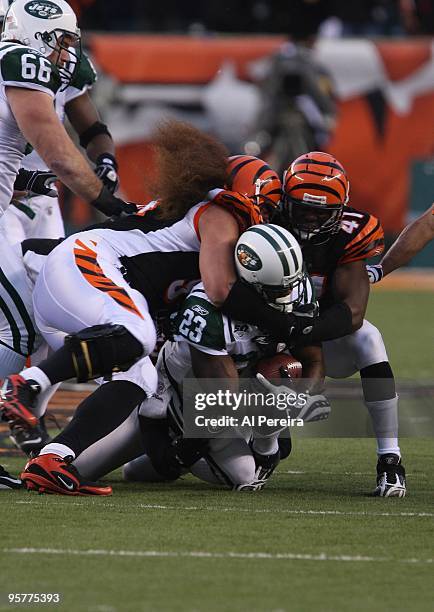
(311, 408)
(375, 273)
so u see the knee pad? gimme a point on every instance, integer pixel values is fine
(101, 350)
(378, 382)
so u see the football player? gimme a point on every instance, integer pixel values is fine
(336, 240)
(158, 248)
(409, 243)
(39, 51)
(213, 345)
(35, 209)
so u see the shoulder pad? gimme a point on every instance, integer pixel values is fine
(200, 323)
(29, 68)
(84, 74)
(365, 236)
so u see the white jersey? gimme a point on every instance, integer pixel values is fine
(199, 323)
(26, 68)
(161, 259)
(83, 79)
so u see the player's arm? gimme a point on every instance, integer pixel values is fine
(412, 239)
(95, 138)
(219, 233)
(212, 366)
(311, 358)
(351, 287)
(40, 125)
(38, 122)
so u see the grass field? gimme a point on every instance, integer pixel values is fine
(312, 541)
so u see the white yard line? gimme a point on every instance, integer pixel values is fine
(232, 509)
(210, 555)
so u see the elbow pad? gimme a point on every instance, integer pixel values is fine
(96, 129)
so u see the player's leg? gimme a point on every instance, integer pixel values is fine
(111, 452)
(364, 352)
(228, 462)
(98, 348)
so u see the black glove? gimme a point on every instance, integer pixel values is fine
(36, 182)
(106, 169)
(110, 205)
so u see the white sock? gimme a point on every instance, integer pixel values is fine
(384, 415)
(57, 449)
(36, 374)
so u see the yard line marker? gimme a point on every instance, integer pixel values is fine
(234, 509)
(211, 555)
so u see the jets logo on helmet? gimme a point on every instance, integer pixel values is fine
(315, 191)
(248, 258)
(280, 278)
(43, 9)
(254, 178)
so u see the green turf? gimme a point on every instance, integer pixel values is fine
(406, 321)
(336, 475)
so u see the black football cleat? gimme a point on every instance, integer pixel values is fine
(390, 477)
(7, 481)
(29, 441)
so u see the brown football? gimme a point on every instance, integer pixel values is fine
(280, 366)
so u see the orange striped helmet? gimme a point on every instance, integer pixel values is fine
(254, 178)
(315, 191)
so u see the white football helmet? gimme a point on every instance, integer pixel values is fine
(4, 5)
(269, 258)
(42, 25)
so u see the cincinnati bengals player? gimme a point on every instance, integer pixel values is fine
(409, 243)
(153, 247)
(336, 240)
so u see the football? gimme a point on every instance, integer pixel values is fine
(281, 365)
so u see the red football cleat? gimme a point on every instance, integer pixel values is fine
(52, 474)
(17, 398)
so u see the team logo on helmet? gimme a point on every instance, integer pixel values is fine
(43, 9)
(248, 258)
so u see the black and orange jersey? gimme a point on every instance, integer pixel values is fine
(241, 207)
(359, 237)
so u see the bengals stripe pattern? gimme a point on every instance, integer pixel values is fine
(86, 262)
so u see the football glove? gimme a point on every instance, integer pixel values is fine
(110, 205)
(375, 273)
(304, 406)
(106, 170)
(36, 182)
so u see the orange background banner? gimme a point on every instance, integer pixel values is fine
(385, 98)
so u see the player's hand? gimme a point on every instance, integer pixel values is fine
(36, 182)
(106, 170)
(110, 205)
(375, 273)
(283, 390)
(311, 407)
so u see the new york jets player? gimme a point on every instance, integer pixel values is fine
(214, 346)
(35, 208)
(38, 54)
